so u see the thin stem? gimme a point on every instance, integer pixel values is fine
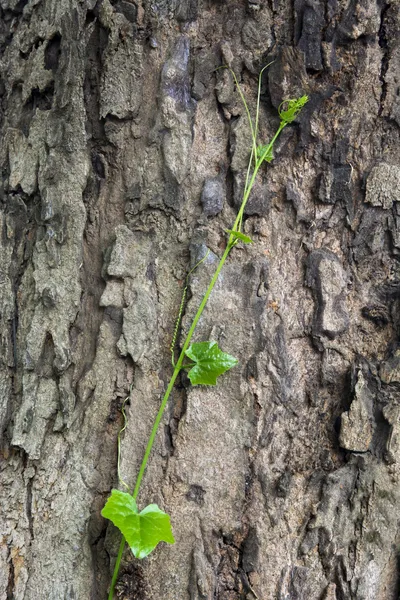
(155, 426)
(179, 364)
(249, 169)
(116, 569)
(247, 191)
(259, 96)
(143, 467)
(119, 441)
(253, 133)
(282, 125)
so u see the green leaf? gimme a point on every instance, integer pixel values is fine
(294, 106)
(240, 236)
(210, 363)
(265, 149)
(144, 530)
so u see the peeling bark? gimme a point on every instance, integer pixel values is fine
(123, 157)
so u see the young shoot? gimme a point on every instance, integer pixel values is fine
(145, 529)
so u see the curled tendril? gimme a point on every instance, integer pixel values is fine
(293, 107)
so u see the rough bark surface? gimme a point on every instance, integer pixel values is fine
(123, 156)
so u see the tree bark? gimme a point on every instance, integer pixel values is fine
(123, 156)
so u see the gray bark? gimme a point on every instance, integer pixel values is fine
(123, 156)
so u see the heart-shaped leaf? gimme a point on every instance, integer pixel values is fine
(210, 362)
(144, 530)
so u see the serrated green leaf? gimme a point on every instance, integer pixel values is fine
(240, 236)
(210, 362)
(144, 530)
(294, 106)
(265, 149)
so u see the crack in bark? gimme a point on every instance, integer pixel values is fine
(29, 500)
(383, 43)
(11, 574)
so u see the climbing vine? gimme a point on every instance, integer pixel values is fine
(205, 362)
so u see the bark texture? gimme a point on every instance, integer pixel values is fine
(123, 156)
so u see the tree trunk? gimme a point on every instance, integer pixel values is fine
(123, 156)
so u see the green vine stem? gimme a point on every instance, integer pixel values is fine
(258, 155)
(164, 402)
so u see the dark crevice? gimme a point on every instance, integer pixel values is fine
(14, 329)
(196, 494)
(94, 65)
(110, 118)
(41, 99)
(91, 16)
(248, 562)
(381, 435)
(168, 440)
(52, 53)
(383, 43)
(131, 584)
(96, 534)
(397, 588)
(7, 14)
(230, 575)
(20, 209)
(10, 584)
(177, 411)
(29, 507)
(98, 165)
(114, 414)
(230, 187)
(20, 7)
